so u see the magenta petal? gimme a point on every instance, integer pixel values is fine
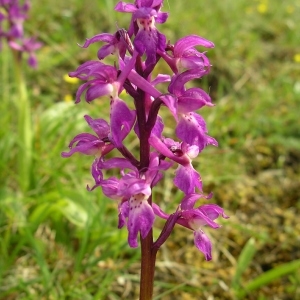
(99, 126)
(187, 179)
(83, 71)
(97, 175)
(161, 147)
(122, 120)
(105, 51)
(144, 13)
(193, 99)
(193, 62)
(211, 141)
(143, 84)
(161, 17)
(198, 218)
(98, 90)
(158, 127)
(156, 3)
(213, 211)
(87, 148)
(32, 61)
(83, 138)
(139, 187)
(192, 130)
(116, 162)
(189, 201)
(81, 90)
(177, 83)
(190, 41)
(148, 42)
(123, 214)
(111, 188)
(159, 212)
(103, 37)
(149, 3)
(171, 102)
(140, 219)
(125, 7)
(15, 46)
(203, 243)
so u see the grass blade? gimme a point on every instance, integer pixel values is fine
(243, 262)
(271, 275)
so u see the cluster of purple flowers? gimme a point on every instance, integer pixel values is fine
(138, 50)
(12, 16)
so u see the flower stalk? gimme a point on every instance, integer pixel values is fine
(13, 13)
(148, 258)
(24, 125)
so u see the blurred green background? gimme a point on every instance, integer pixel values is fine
(59, 241)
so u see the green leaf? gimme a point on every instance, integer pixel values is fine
(74, 212)
(243, 262)
(271, 275)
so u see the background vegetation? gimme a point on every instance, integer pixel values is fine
(58, 241)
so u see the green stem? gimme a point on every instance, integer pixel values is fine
(24, 126)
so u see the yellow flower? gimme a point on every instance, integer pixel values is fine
(68, 98)
(72, 80)
(262, 8)
(297, 57)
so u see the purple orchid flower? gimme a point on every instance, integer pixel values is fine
(90, 144)
(14, 14)
(138, 211)
(185, 56)
(186, 177)
(191, 127)
(116, 43)
(195, 219)
(131, 191)
(29, 45)
(104, 80)
(148, 39)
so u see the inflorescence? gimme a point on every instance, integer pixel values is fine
(138, 50)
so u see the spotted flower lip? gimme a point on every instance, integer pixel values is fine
(132, 193)
(148, 40)
(137, 210)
